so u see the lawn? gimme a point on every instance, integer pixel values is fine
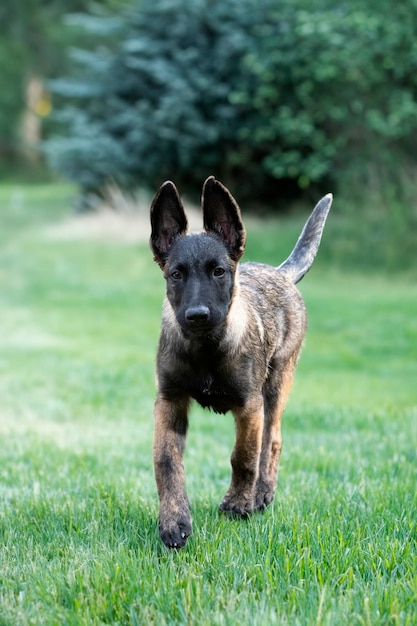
(78, 504)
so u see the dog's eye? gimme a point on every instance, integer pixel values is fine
(176, 275)
(218, 271)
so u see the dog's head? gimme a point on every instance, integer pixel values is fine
(199, 268)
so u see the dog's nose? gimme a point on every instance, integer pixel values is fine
(197, 315)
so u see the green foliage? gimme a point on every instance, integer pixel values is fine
(34, 38)
(159, 106)
(334, 88)
(270, 95)
(78, 504)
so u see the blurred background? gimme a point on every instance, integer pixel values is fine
(281, 100)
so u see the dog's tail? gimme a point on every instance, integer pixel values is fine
(305, 250)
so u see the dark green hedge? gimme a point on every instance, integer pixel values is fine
(272, 97)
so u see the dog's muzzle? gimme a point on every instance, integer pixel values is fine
(197, 318)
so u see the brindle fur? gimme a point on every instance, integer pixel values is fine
(230, 338)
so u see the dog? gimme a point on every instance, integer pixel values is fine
(230, 339)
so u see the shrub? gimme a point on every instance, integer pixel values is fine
(159, 105)
(334, 89)
(268, 96)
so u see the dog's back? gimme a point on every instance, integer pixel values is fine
(276, 304)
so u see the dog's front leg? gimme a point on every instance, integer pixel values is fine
(239, 499)
(171, 420)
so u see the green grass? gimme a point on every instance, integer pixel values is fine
(78, 505)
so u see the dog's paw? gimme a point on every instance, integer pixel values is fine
(264, 495)
(237, 505)
(175, 532)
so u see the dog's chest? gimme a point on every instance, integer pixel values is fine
(210, 381)
(215, 392)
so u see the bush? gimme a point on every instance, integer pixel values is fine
(270, 96)
(159, 106)
(334, 89)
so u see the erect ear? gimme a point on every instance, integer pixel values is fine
(168, 220)
(221, 215)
